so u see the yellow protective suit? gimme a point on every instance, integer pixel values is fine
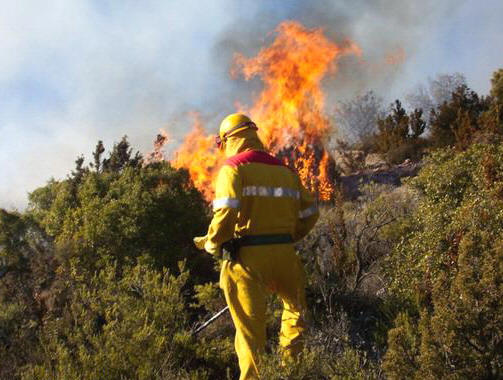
(257, 195)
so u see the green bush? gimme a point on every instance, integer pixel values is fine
(55, 259)
(119, 323)
(317, 363)
(457, 122)
(398, 137)
(450, 265)
(125, 213)
(26, 267)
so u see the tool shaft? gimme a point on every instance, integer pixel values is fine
(211, 320)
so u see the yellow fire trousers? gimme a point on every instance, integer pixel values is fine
(246, 282)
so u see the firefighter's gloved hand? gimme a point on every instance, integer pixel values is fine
(200, 241)
(212, 249)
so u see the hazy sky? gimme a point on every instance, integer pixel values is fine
(76, 71)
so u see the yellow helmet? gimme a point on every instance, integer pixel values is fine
(233, 124)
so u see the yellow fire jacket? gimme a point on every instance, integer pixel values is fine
(256, 194)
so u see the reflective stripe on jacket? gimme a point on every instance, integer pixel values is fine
(256, 194)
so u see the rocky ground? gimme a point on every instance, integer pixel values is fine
(358, 169)
(386, 175)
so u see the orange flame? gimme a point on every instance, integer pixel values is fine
(289, 111)
(290, 108)
(200, 157)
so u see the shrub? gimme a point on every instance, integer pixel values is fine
(153, 210)
(118, 323)
(455, 122)
(412, 150)
(316, 363)
(351, 238)
(398, 136)
(56, 272)
(450, 264)
(26, 267)
(343, 255)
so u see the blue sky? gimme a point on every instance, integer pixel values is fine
(73, 72)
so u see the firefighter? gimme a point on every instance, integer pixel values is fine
(260, 210)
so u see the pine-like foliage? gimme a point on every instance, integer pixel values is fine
(456, 122)
(398, 136)
(127, 323)
(123, 214)
(450, 263)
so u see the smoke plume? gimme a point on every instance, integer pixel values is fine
(75, 72)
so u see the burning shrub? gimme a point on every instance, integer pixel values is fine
(289, 111)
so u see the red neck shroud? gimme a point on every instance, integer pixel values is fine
(253, 156)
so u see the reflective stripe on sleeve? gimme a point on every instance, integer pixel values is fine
(265, 191)
(306, 213)
(225, 202)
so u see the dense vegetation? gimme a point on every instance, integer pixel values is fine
(99, 279)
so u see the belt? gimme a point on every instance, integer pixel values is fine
(251, 240)
(230, 249)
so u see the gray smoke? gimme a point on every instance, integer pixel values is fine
(380, 27)
(74, 72)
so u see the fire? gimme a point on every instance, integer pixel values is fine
(290, 108)
(200, 157)
(289, 111)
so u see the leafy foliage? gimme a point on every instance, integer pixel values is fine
(450, 263)
(64, 260)
(120, 323)
(124, 213)
(26, 264)
(111, 322)
(99, 279)
(497, 86)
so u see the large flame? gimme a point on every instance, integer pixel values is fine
(290, 108)
(200, 157)
(289, 111)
